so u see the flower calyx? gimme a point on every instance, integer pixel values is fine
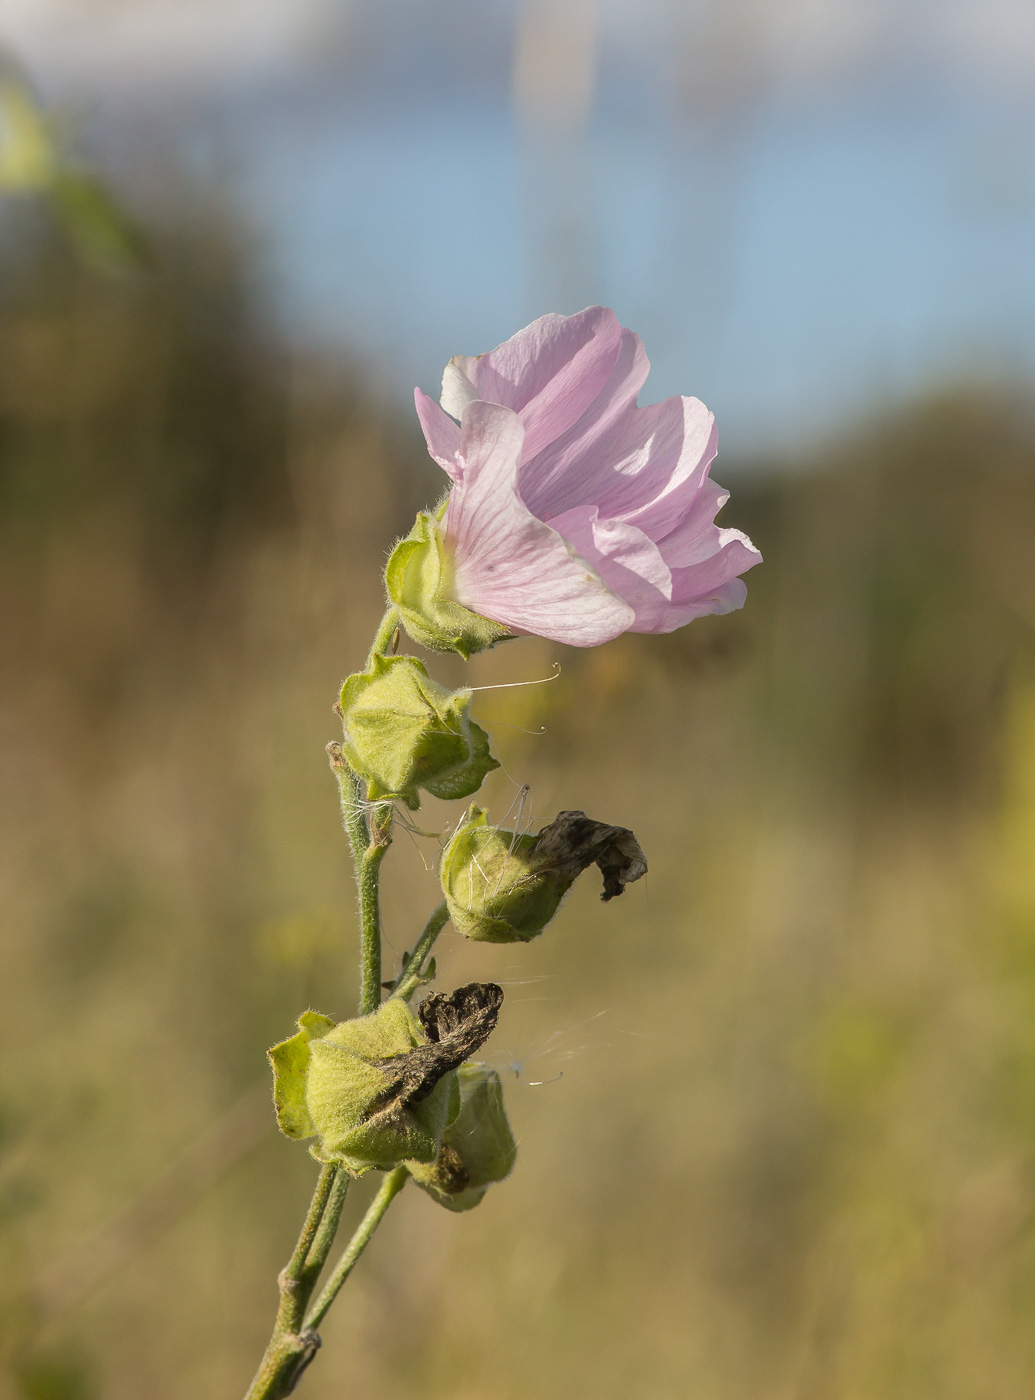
(417, 577)
(404, 731)
(505, 887)
(380, 1089)
(478, 1147)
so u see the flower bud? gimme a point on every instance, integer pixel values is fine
(477, 1148)
(380, 1089)
(504, 887)
(404, 731)
(334, 1082)
(417, 577)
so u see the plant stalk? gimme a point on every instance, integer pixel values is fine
(294, 1343)
(390, 1188)
(292, 1346)
(410, 975)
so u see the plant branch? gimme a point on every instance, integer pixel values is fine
(292, 1347)
(370, 835)
(324, 1238)
(390, 1188)
(383, 636)
(410, 978)
(368, 876)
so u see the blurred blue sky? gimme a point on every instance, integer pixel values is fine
(805, 207)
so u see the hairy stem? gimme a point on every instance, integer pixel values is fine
(409, 978)
(324, 1238)
(383, 636)
(392, 1185)
(369, 837)
(292, 1347)
(294, 1344)
(368, 876)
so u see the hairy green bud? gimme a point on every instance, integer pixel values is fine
(477, 1148)
(380, 1089)
(505, 887)
(404, 731)
(417, 578)
(334, 1082)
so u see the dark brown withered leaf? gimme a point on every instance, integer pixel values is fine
(457, 1024)
(472, 1009)
(573, 841)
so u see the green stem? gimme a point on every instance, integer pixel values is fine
(369, 837)
(294, 1343)
(370, 911)
(292, 1346)
(383, 636)
(321, 1245)
(392, 1185)
(409, 978)
(350, 791)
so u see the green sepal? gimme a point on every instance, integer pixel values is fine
(417, 579)
(494, 890)
(477, 1148)
(329, 1081)
(290, 1061)
(404, 731)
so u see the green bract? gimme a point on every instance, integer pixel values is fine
(404, 731)
(493, 885)
(417, 579)
(478, 1147)
(341, 1084)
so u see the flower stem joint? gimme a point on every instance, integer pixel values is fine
(404, 732)
(505, 887)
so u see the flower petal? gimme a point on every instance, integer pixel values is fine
(457, 389)
(713, 585)
(566, 471)
(440, 433)
(627, 560)
(654, 487)
(549, 373)
(509, 566)
(694, 538)
(726, 598)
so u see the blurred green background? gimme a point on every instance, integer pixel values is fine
(776, 1107)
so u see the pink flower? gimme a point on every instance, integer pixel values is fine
(573, 513)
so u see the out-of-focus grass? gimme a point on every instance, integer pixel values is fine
(776, 1106)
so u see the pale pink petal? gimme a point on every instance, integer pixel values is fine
(734, 554)
(555, 479)
(726, 598)
(629, 563)
(645, 467)
(440, 433)
(457, 389)
(674, 465)
(693, 539)
(549, 373)
(509, 566)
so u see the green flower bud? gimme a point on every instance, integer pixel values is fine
(339, 1083)
(404, 731)
(417, 579)
(380, 1089)
(504, 887)
(477, 1148)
